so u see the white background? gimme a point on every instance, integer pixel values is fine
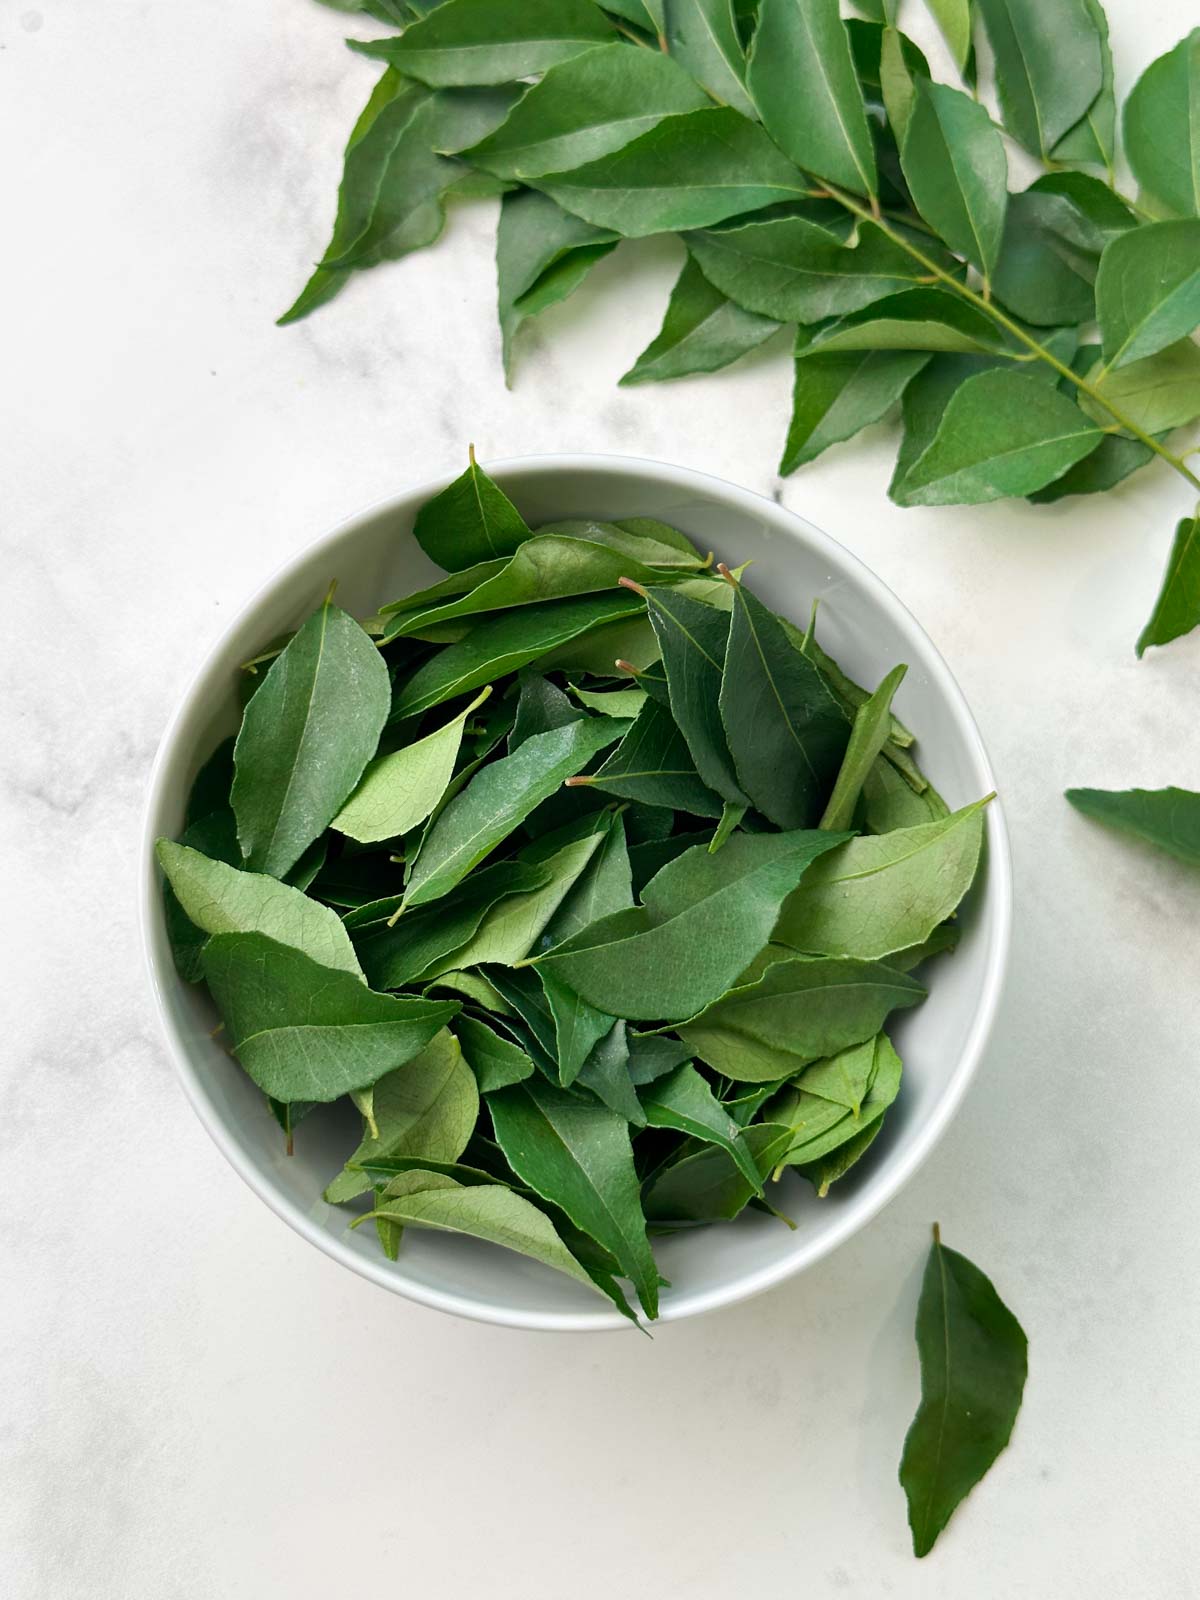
(195, 1403)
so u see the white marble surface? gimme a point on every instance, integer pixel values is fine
(196, 1403)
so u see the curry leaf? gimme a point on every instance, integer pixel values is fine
(953, 17)
(835, 396)
(702, 331)
(702, 35)
(869, 734)
(1148, 289)
(471, 520)
(1158, 392)
(1162, 127)
(653, 765)
(1177, 609)
(706, 1184)
(957, 172)
(495, 1061)
(684, 1102)
(491, 41)
(1031, 41)
(605, 1073)
(1168, 818)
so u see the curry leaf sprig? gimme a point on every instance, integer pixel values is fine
(587, 878)
(1038, 343)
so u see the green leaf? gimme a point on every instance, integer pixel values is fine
(973, 1365)
(1003, 433)
(801, 78)
(640, 538)
(653, 1054)
(797, 1011)
(1148, 289)
(1162, 127)
(1033, 42)
(219, 899)
(499, 797)
(605, 887)
(1168, 818)
(1053, 236)
(701, 332)
(577, 1027)
(687, 172)
(897, 81)
(702, 35)
(693, 638)
(306, 737)
(586, 108)
(1093, 139)
(400, 790)
(869, 734)
(953, 17)
(471, 520)
(505, 643)
(307, 1032)
(605, 1074)
(917, 319)
(877, 895)
(541, 706)
(576, 1154)
(785, 731)
(1112, 461)
(427, 1110)
(836, 396)
(657, 960)
(1177, 609)
(495, 1061)
(490, 1212)
(706, 1185)
(792, 269)
(889, 801)
(957, 172)
(829, 1154)
(491, 41)
(684, 1102)
(543, 254)
(623, 703)
(653, 766)
(1159, 392)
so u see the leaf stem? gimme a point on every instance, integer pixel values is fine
(989, 307)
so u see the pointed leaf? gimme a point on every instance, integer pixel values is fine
(836, 396)
(702, 35)
(683, 1102)
(653, 765)
(543, 254)
(693, 639)
(957, 171)
(1159, 392)
(1148, 289)
(1162, 127)
(495, 1061)
(1093, 139)
(605, 1074)
(706, 1185)
(701, 332)
(577, 1027)
(490, 41)
(917, 319)
(1053, 236)
(471, 520)
(1177, 609)
(1168, 818)
(872, 726)
(1032, 40)
(953, 17)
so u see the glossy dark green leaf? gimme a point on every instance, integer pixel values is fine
(586, 108)
(702, 35)
(1041, 97)
(653, 766)
(868, 735)
(541, 706)
(495, 1061)
(307, 1032)
(1148, 288)
(801, 78)
(605, 1073)
(576, 1154)
(687, 172)
(471, 520)
(306, 737)
(1093, 139)
(1162, 128)
(656, 961)
(884, 893)
(1168, 818)
(973, 1356)
(701, 332)
(491, 41)
(427, 1109)
(795, 1012)
(1177, 609)
(693, 639)
(1159, 392)
(898, 85)
(785, 731)
(957, 172)
(1002, 433)
(835, 396)
(706, 1185)
(683, 1101)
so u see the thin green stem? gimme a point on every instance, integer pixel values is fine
(991, 309)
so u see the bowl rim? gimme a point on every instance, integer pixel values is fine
(996, 903)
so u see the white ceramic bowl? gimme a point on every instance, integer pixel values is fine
(865, 627)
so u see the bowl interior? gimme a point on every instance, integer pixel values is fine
(375, 559)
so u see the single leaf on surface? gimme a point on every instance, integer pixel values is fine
(801, 78)
(1159, 392)
(1002, 433)
(512, 928)
(306, 737)
(887, 892)
(793, 269)
(1177, 609)
(1093, 139)
(586, 108)
(917, 319)
(307, 1032)
(400, 790)
(797, 1011)
(665, 958)
(953, 17)
(1148, 288)
(605, 1074)
(1033, 41)
(687, 172)
(957, 172)
(425, 1109)
(693, 638)
(497, 798)
(506, 642)
(543, 254)
(868, 735)
(485, 1211)
(835, 396)
(973, 1356)
(706, 1185)
(495, 1061)
(1168, 818)
(491, 41)
(701, 332)
(684, 1102)
(1162, 127)
(576, 1154)
(786, 732)
(471, 520)
(220, 899)
(702, 35)
(653, 766)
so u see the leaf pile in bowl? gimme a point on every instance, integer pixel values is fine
(590, 880)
